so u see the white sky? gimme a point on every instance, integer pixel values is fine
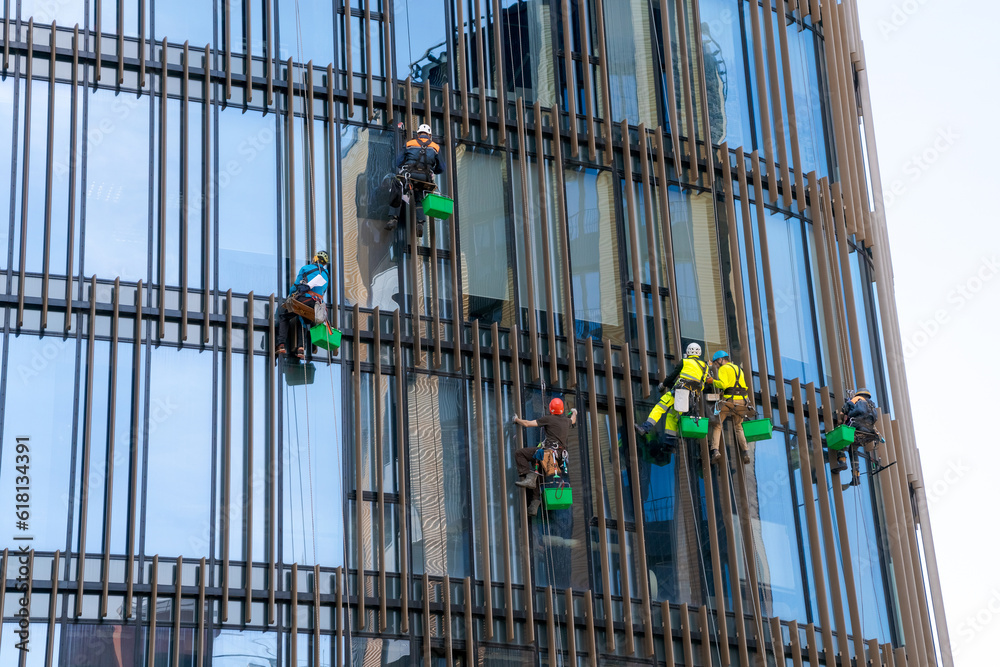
(932, 67)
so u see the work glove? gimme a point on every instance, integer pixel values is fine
(514, 420)
(661, 388)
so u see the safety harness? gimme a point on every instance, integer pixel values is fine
(419, 160)
(689, 381)
(736, 391)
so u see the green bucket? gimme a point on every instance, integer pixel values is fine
(558, 497)
(437, 206)
(325, 337)
(840, 437)
(757, 429)
(694, 427)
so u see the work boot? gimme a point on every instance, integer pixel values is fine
(533, 507)
(644, 428)
(529, 481)
(746, 458)
(420, 229)
(840, 465)
(716, 455)
(391, 224)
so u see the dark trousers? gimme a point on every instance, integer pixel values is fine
(285, 318)
(524, 459)
(419, 192)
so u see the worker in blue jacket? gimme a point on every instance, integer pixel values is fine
(309, 287)
(860, 413)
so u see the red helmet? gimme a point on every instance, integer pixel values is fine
(556, 406)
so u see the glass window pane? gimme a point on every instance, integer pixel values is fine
(440, 527)
(696, 263)
(6, 148)
(793, 303)
(313, 463)
(486, 275)
(179, 470)
(187, 20)
(63, 12)
(632, 62)
(118, 164)
(725, 76)
(248, 202)
(371, 273)
(39, 406)
(306, 31)
(593, 244)
(58, 206)
(527, 51)
(772, 510)
(421, 46)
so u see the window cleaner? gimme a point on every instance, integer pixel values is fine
(305, 301)
(686, 383)
(415, 169)
(860, 413)
(550, 456)
(734, 402)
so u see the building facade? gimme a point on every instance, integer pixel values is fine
(620, 168)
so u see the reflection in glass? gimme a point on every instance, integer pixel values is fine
(699, 291)
(440, 521)
(527, 48)
(725, 77)
(367, 163)
(191, 21)
(64, 13)
(6, 147)
(248, 206)
(772, 511)
(236, 648)
(793, 306)
(538, 259)
(100, 468)
(804, 52)
(486, 267)
(39, 407)
(179, 469)
(102, 645)
(313, 463)
(390, 652)
(306, 32)
(593, 243)
(117, 196)
(37, 167)
(421, 47)
(631, 62)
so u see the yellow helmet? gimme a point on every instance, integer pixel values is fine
(322, 257)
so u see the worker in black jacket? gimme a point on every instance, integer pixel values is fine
(415, 169)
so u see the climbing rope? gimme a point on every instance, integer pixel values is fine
(756, 600)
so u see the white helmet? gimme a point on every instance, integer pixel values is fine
(693, 350)
(424, 129)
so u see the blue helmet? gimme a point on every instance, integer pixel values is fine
(721, 354)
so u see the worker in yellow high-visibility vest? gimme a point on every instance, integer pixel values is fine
(734, 401)
(686, 379)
